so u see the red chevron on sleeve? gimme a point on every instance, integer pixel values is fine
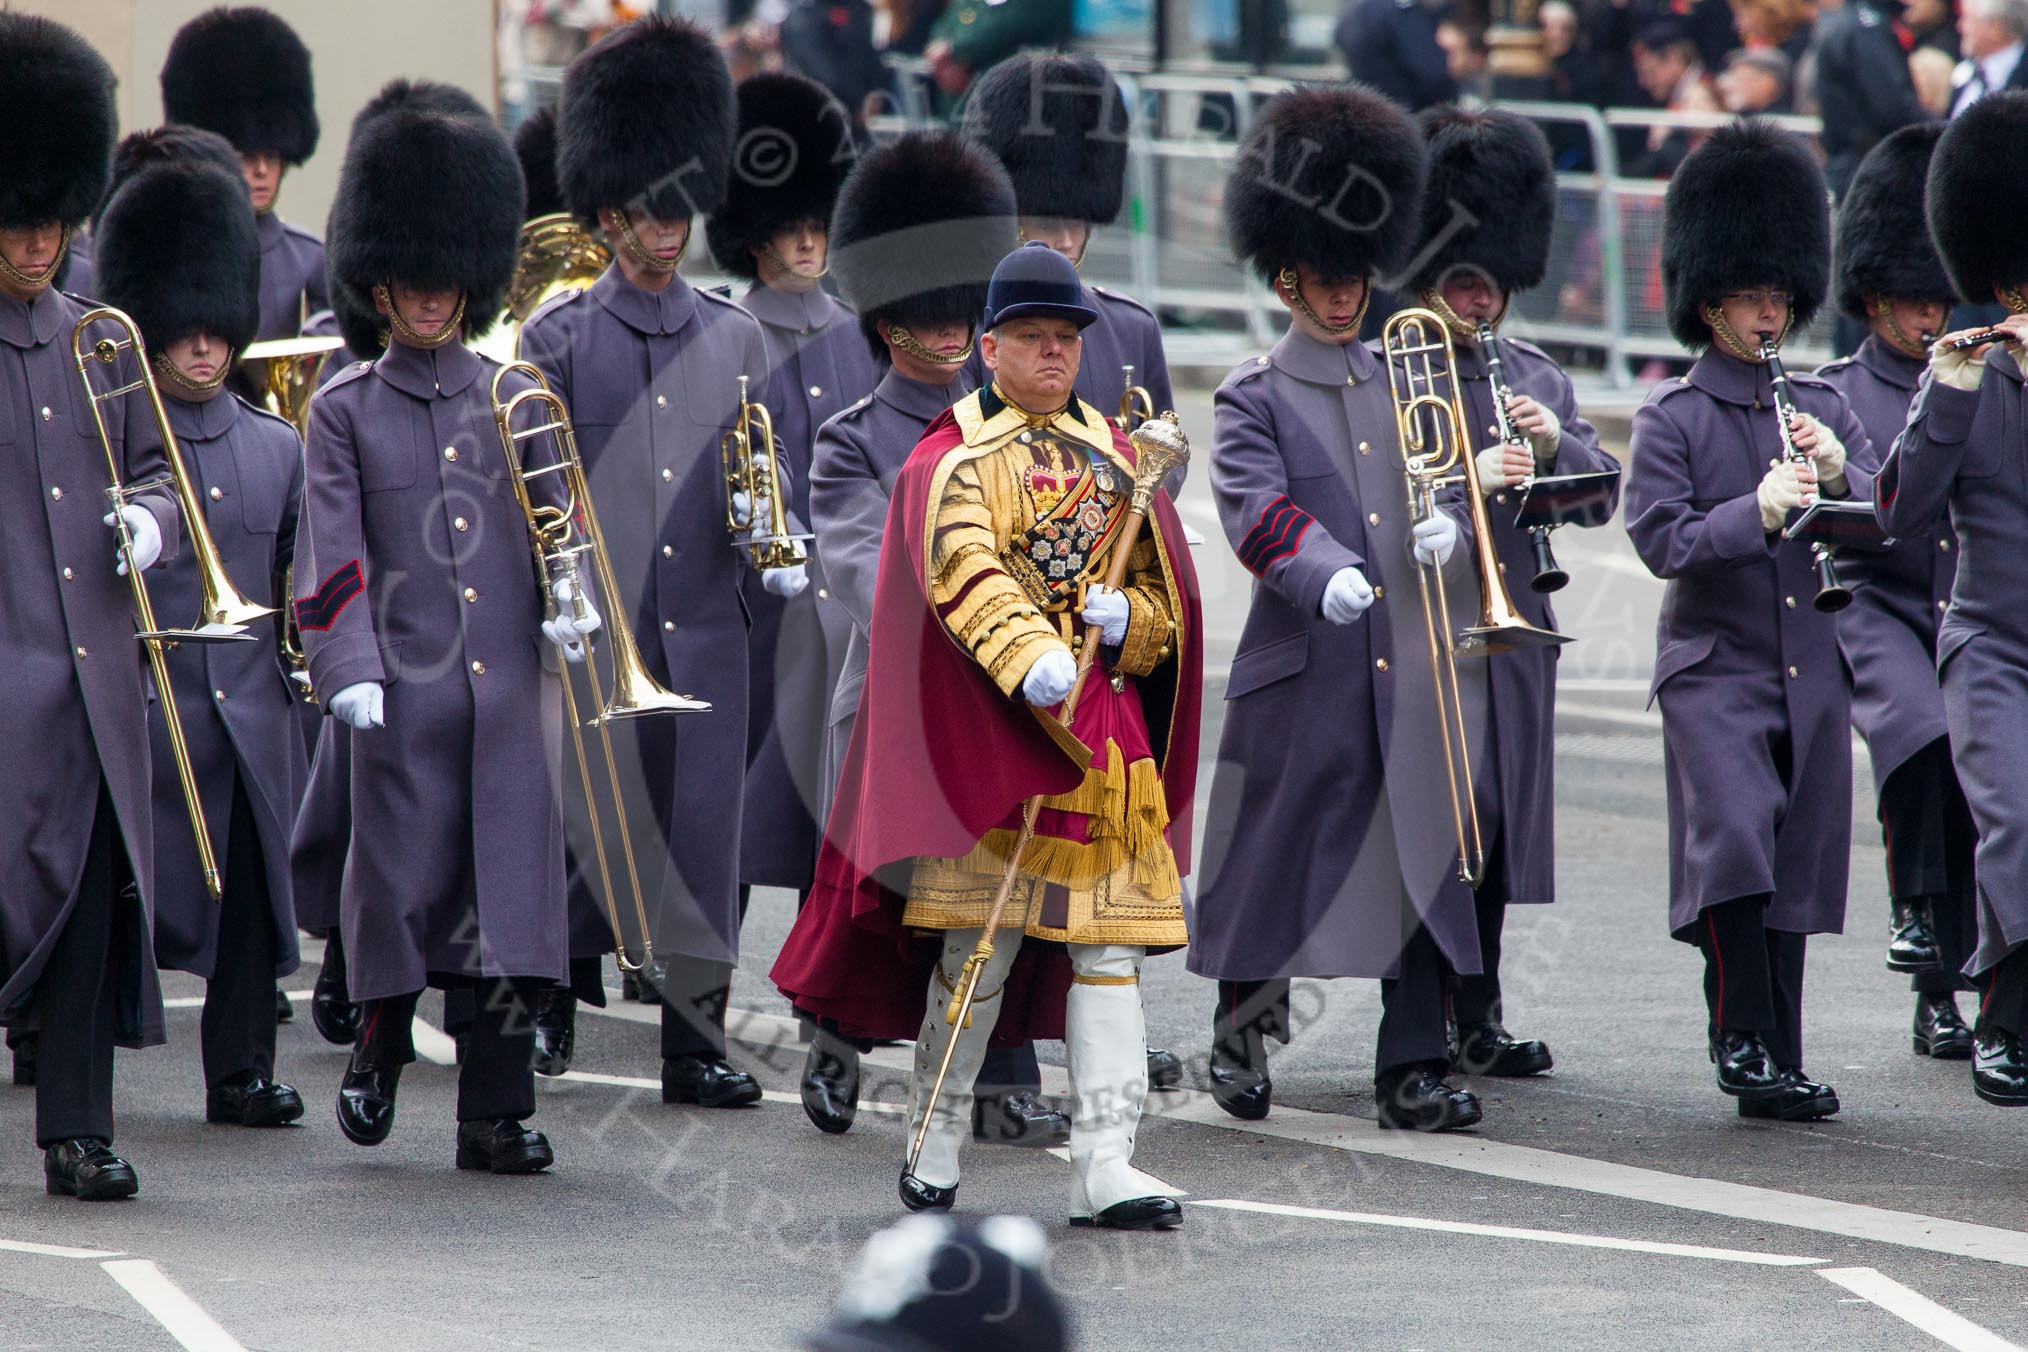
(1278, 534)
(321, 610)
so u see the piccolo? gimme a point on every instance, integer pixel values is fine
(1979, 339)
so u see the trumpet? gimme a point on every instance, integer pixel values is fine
(747, 458)
(1548, 577)
(1832, 595)
(563, 539)
(1136, 404)
(224, 612)
(1436, 452)
(289, 371)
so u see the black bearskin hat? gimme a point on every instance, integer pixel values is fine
(429, 195)
(56, 104)
(243, 73)
(1331, 177)
(646, 116)
(920, 226)
(1882, 246)
(172, 143)
(177, 249)
(535, 144)
(795, 148)
(1059, 124)
(1976, 196)
(1747, 208)
(1490, 204)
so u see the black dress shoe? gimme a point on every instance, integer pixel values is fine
(1912, 946)
(1165, 1069)
(366, 1099)
(1999, 1072)
(831, 1084)
(1745, 1068)
(87, 1170)
(1136, 1213)
(708, 1082)
(502, 1145)
(252, 1100)
(1417, 1099)
(1939, 1030)
(24, 1059)
(1242, 1090)
(1020, 1118)
(337, 1018)
(555, 1030)
(644, 986)
(1489, 1049)
(285, 1008)
(1798, 1100)
(917, 1195)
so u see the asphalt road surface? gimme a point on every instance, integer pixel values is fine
(1616, 1202)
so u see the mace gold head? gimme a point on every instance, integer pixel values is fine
(1159, 446)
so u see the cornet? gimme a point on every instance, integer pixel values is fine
(1136, 404)
(224, 612)
(289, 371)
(562, 538)
(746, 455)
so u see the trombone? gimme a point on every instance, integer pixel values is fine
(1436, 452)
(746, 456)
(224, 612)
(1136, 404)
(563, 537)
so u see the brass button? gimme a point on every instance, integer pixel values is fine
(460, 524)
(471, 594)
(1944, 545)
(68, 575)
(1379, 592)
(1493, 431)
(1373, 518)
(1381, 664)
(1260, 361)
(1794, 673)
(668, 551)
(823, 593)
(217, 494)
(1365, 448)
(1500, 498)
(667, 475)
(1162, 653)
(661, 401)
(218, 694)
(1941, 605)
(82, 654)
(1025, 438)
(1351, 380)
(478, 668)
(450, 453)
(1789, 601)
(668, 626)
(45, 413)
(1503, 570)
(816, 391)
(56, 494)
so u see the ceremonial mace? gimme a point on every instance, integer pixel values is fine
(1159, 446)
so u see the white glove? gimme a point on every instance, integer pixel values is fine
(146, 534)
(787, 583)
(1821, 444)
(1785, 487)
(1108, 609)
(1959, 370)
(1538, 423)
(1346, 596)
(1435, 538)
(359, 706)
(1502, 466)
(567, 631)
(1050, 679)
(743, 513)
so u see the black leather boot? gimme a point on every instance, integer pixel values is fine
(1797, 1100)
(917, 1195)
(1136, 1213)
(24, 1059)
(250, 1099)
(502, 1145)
(337, 1018)
(555, 1030)
(87, 1170)
(1912, 946)
(1745, 1068)
(1999, 1071)
(1939, 1030)
(285, 1008)
(831, 1084)
(1165, 1069)
(366, 1096)
(708, 1082)
(1417, 1099)
(1239, 1075)
(1489, 1049)
(1020, 1118)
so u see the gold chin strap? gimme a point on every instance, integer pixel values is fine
(2016, 303)
(452, 327)
(1910, 347)
(783, 264)
(29, 282)
(1715, 316)
(168, 371)
(641, 254)
(912, 345)
(1294, 285)
(1460, 326)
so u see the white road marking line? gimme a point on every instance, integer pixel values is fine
(1953, 1330)
(176, 1312)
(54, 1250)
(197, 1001)
(1511, 1232)
(433, 1044)
(1162, 1189)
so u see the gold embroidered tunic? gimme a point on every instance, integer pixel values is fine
(1026, 514)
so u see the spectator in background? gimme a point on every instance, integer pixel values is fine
(1464, 47)
(1932, 24)
(1781, 24)
(973, 36)
(1863, 90)
(1932, 69)
(1755, 80)
(831, 42)
(1575, 76)
(1392, 46)
(909, 24)
(1991, 34)
(1708, 24)
(1667, 66)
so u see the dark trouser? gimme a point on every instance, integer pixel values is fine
(1412, 1009)
(332, 974)
(2003, 1006)
(1476, 999)
(77, 996)
(496, 1078)
(695, 992)
(1249, 1007)
(1753, 976)
(237, 1032)
(1009, 1070)
(1930, 837)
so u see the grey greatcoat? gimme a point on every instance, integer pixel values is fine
(1888, 633)
(322, 830)
(1755, 709)
(1330, 829)
(292, 276)
(852, 472)
(652, 380)
(1522, 783)
(415, 571)
(233, 699)
(818, 363)
(1961, 450)
(73, 702)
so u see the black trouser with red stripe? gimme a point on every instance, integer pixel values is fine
(78, 994)
(2003, 1003)
(496, 1077)
(1930, 837)
(1411, 1013)
(1753, 976)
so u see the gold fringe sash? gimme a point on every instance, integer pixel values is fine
(1126, 818)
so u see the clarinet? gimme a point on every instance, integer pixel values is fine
(1548, 576)
(1832, 595)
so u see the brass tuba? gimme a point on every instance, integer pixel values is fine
(563, 538)
(289, 368)
(224, 612)
(1436, 452)
(1136, 404)
(747, 458)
